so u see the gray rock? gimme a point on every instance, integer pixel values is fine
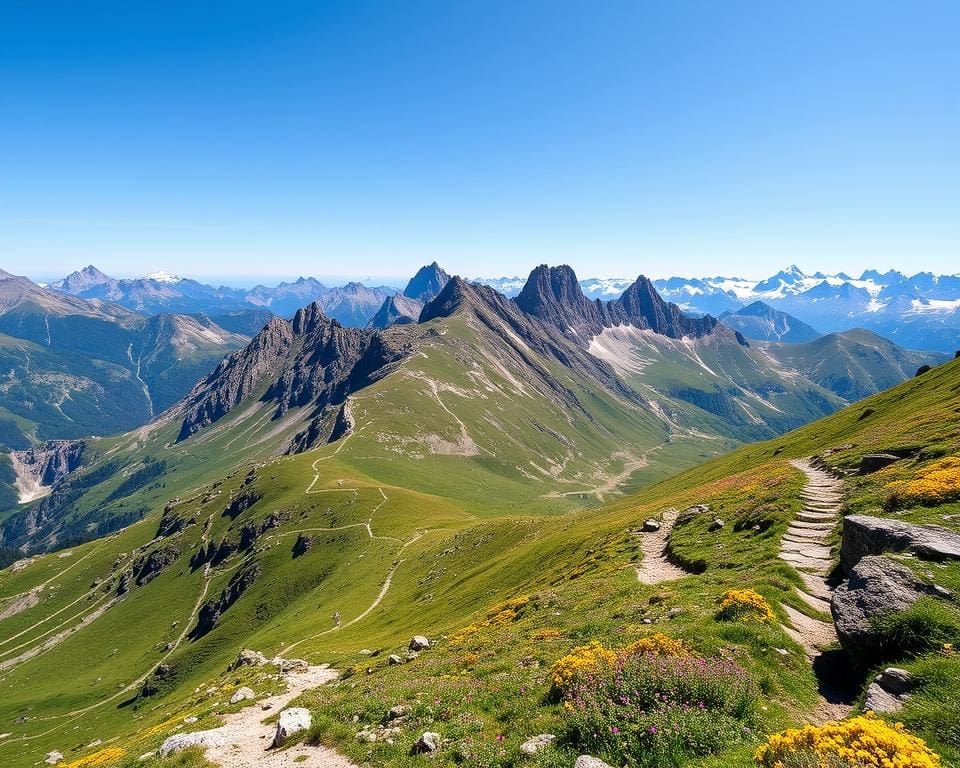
(291, 721)
(866, 535)
(536, 743)
(588, 761)
(394, 659)
(874, 461)
(896, 680)
(396, 712)
(179, 741)
(716, 525)
(428, 742)
(877, 585)
(248, 658)
(52, 758)
(882, 701)
(242, 694)
(419, 643)
(650, 525)
(290, 665)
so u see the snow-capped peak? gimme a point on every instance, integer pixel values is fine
(162, 277)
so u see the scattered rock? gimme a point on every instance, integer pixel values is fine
(866, 535)
(303, 545)
(716, 525)
(291, 721)
(896, 680)
(146, 756)
(52, 758)
(248, 658)
(242, 694)
(179, 741)
(689, 514)
(290, 665)
(428, 742)
(393, 659)
(419, 643)
(881, 701)
(411, 655)
(874, 461)
(650, 525)
(536, 743)
(923, 369)
(588, 761)
(397, 712)
(190, 719)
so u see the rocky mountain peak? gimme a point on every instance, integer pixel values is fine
(427, 283)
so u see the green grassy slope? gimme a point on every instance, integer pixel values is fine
(432, 561)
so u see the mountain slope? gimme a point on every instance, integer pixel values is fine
(762, 322)
(397, 562)
(853, 364)
(406, 307)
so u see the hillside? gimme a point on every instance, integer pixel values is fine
(762, 322)
(264, 557)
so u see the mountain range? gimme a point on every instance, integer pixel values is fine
(501, 477)
(918, 312)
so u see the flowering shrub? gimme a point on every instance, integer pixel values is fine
(547, 634)
(938, 483)
(497, 616)
(745, 604)
(657, 644)
(101, 757)
(861, 742)
(586, 660)
(646, 710)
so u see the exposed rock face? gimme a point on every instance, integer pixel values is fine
(291, 721)
(212, 610)
(397, 310)
(876, 461)
(877, 585)
(41, 467)
(553, 295)
(236, 377)
(248, 658)
(865, 535)
(303, 544)
(147, 568)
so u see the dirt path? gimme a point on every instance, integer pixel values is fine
(806, 547)
(655, 567)
(248, 739)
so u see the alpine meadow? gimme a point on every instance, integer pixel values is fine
(465, 414)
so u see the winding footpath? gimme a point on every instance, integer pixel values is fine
(246, 739)
(806, 546)
(655, 567)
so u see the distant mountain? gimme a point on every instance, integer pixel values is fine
(74, 367)
(407, 306)
(762, 322)
(921, 311)
(353, 304)
(853, 364)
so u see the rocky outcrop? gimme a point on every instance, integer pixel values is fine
(877, 586)
(148, 567)
(553, 295)
(396, 310)
(889, 691)
(864, 535)
(873, 462)
(43, 466)
(303, 544)
(236, 377)
(212, 610)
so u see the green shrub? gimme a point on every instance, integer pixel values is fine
(925, 626)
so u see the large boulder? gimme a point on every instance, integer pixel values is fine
(589, 761)
(877, 585)
(211, 738)
(291, 721)
(865, 535)
(428, 742)
(876, 461)
(419, 643)
(535, 743)
(242, 694)
(248, 658)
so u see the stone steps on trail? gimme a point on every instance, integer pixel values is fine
(816, 517)
(825, 527)
(820, 566)
(808, 549)
(814, 601)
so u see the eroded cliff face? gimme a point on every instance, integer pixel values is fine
(39, 468)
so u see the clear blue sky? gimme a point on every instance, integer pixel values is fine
(365, 138)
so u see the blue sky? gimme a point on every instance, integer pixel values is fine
(364, 138)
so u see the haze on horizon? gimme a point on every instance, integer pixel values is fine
(363, 140)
